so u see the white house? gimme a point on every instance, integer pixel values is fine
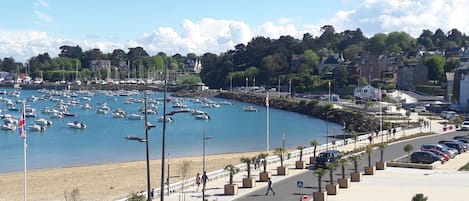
(366, 92)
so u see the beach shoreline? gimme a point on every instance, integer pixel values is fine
(108, 181)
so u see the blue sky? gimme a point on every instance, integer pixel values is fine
(31, 27)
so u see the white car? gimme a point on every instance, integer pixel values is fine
(465, 125)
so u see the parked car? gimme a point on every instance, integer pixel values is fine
(448, 114)
(326, 157)
(465, 126)
(463, 144)
(425, 157)
(461, 137)
(419, 109)
(439, 153)
(455, 145)
(441, 147)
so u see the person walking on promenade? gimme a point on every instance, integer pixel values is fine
(269, 187)
(204, 180)
(197, 181)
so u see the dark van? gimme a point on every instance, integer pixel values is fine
(326, 157)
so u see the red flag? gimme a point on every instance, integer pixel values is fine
(22, 124)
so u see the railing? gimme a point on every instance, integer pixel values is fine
(218, 174)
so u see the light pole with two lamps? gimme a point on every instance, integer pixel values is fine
(204, 176)
(148, 126)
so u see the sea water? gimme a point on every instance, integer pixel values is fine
(230, 128)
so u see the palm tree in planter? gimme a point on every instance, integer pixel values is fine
(248, 182)
(354, 136)
(230, 188)
(315, 144)
(344, 182)
(300, 164)
(280, 152)
(332, 189)
(356, 176)
(369, 170)
(319, 195)
(381, 165)
(264, 176)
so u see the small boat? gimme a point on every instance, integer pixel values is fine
(197, 112)
(101, 111)
(202, 117)
(118, 115)
(43, 122)
(250, 109)
(36, 127)
(69, 114)
(150, 112)
(86, 106)
(56, 115)
(225, 103)
(76, 124)
(135, 117)
(168, 119)
(134, 138)
(8, 126)
(30, 115)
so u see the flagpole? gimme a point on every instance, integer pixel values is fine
(23, 135)
(267, 104)
(24, 156)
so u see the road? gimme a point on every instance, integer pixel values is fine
(286, 189)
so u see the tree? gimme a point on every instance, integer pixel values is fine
(264, 157)
(451, 64)
(184, 170)
(343, 163)
(319, 173)
(355, 159)
(314, 143)
(435, 66)
(232, 170)
(136, 197)
(301, 147)
(419, 197)
(280, 152)
(376, 44)
(248, 161)
(408, 148)
(382, 146)
(369, 150)
(331, 167)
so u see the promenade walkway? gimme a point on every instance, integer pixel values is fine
(215, 191)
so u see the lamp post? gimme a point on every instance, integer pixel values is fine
(147, 128)
(205, 138)
(163, 141)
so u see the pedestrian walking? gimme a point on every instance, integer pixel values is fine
(197, 181)
(370, 138)
(269, 187)
(394, 132)
(204, 180)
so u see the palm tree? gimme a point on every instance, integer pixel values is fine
(263, 156)
(343, 162)
(355, 159)
(248, 161)
(314, 143)
(301, 147)
(279, 151)
(331, 167)
(419, 197)
(319, 173)
(368, 151)
(382, 146)
(408, 148)
(233, 170)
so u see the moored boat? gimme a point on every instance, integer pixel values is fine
(36, 127)
(250, 109)
(76, 125)
(43, 122)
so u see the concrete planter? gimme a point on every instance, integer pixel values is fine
(249, 183)
(320, 196)
(300, 165)
(332, 189)
(370, 170)
(344, 183)
(264, 176)
(356, 176)
(381, 165)
(282, 170)
(311, 160)
(231, 189)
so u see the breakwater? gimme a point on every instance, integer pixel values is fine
(353, 120)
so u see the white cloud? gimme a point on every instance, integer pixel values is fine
(41, 3)
(411, 16)
(43, 16)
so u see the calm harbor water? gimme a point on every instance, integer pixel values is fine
(103, 141)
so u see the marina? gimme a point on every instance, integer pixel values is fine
(100, 137)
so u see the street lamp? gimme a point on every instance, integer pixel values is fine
(163, 141)
(205, 138)
(148, 126)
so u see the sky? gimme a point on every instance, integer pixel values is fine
(32, 27)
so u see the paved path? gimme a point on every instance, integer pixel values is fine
(214, 191)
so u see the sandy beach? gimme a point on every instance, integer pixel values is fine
(104, 182)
